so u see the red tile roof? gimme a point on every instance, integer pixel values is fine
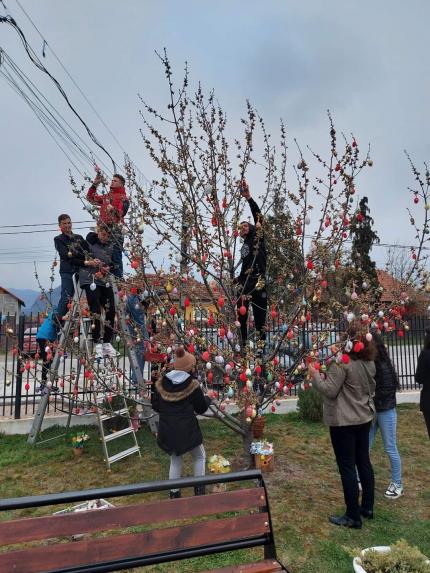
(393, 287)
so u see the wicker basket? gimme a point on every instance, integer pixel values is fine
(258, 427)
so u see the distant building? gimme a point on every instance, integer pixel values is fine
(10, 304)
(418, 301)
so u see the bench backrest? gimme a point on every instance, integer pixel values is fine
(132, 535)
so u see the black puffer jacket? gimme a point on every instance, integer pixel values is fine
(177, 397)
(253, 252)
(387, 384)
(72, 250)
(422, 376)
(97, 250)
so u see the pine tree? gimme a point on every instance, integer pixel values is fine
(285, 259)
(363, 239)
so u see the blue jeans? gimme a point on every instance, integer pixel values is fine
(137, 328)
(386, 421)
(67, 292)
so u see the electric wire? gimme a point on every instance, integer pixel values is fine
(46, 112)
(40, 225)
(74, 82)
(37, 62)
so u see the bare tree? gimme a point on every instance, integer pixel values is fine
(194, 207)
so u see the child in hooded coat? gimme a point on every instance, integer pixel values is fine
(177, 397)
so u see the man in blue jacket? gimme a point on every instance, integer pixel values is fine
(46, 333)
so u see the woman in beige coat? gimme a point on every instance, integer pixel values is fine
(348, 411)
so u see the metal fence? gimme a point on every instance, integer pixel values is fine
(20, 380)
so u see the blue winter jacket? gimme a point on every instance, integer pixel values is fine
(47, 330)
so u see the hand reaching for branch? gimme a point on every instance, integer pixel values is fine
(94, 263)
(244, 189)
(98, 179)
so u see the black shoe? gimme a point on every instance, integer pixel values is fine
(345, 521)
(368, 513)
(200, 490)
(175, 493)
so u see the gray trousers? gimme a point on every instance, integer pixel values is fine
(199, 463)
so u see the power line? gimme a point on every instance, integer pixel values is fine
(37, 231)
(37, 62)
(25, 262)
(51, 119)
(74, 82)
(40, 224)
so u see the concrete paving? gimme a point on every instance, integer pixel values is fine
(284, 406)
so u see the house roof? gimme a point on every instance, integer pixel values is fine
(392, 288)
(193, 288)
(5, 291)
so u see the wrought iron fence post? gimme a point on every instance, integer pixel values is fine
(18, 378)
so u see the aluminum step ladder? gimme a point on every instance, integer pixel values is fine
(105, 414)
(102, 383)
(74, 319)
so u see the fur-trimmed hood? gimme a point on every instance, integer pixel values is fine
(174, 392)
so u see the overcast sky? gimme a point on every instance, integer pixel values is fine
(366, 61)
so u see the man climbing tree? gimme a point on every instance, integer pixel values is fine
(251, 280)
(113, 207)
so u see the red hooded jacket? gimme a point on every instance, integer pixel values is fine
(113, 205)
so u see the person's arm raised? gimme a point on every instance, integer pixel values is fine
(255, 209)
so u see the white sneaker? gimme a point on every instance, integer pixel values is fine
(394, 491)
(109, 350)
(99, 351)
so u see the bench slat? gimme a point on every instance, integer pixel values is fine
(157, 541)
(266, 566)
(45, 527)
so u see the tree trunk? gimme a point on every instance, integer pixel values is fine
(248, 458)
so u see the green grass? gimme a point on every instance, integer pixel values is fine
(303, 490)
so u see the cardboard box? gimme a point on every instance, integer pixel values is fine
(265, 463)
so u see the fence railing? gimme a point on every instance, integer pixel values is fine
(20, 380)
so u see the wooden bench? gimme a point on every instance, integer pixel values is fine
(132, 535)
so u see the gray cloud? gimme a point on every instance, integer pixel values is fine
(365, 61)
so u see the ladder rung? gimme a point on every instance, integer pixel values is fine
(118, 434)
(124, 454)
(113, 414)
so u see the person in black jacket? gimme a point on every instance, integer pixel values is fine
(95, 280)
(251, 280)
(387, 383)
(177, 397)
(422, 376)
(72, 250)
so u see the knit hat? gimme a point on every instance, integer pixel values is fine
(184, 360)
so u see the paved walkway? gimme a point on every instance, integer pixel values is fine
(10, 426)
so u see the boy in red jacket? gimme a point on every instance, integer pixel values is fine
(113, 207)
